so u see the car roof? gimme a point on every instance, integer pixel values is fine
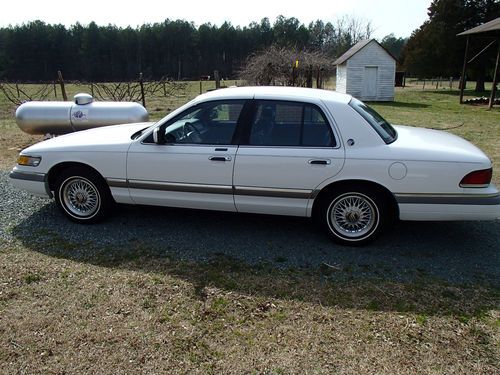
(276, 93)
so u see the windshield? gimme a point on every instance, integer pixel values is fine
(381, 126)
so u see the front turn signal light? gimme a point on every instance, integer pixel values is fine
(30, 161)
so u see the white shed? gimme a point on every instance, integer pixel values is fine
(367, 72)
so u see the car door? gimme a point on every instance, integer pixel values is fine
(194, 166)
(290, 148)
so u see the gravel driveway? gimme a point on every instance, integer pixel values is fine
(456, 252)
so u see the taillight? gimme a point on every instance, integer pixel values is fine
(477, 179)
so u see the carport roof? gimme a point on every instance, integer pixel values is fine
(491, 28)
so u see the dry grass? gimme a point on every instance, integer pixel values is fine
(140, 313)
(155, 315)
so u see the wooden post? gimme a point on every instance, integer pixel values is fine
(17, 89)
(309, 82)
(92, 89)
(463, 81)
(61, 82)
(141, 84)
(423, 87)
(437, 83)
(495, 79)
(55, 89)
(217, 79)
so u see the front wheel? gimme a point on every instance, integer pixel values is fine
(82, 195)
(353, 216)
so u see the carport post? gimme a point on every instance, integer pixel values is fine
(462, 78)
(495, 79)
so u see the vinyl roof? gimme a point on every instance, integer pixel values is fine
(489, 28)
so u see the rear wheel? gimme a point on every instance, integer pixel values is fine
(353, 215)
(82, 195)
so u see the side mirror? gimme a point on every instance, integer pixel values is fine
(157, 136)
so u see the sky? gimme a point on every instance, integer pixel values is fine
(400, 17)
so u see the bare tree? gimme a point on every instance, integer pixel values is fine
(286, 67)
(346, 32)
(17, 95)
(131, 91)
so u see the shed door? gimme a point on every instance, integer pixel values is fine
(370, 82)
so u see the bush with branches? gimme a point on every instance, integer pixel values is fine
(282, 66)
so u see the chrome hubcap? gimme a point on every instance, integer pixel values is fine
(80, 197)
(353, 215)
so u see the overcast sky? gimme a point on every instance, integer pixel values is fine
(400, 17)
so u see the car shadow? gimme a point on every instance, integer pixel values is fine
(284, 253)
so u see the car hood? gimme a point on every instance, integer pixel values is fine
(435, 145)
(103, 138)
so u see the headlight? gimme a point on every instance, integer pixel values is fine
(30, 161)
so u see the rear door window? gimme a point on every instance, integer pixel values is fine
(290, 124)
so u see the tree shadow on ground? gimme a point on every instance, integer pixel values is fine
(467, 93)
(398, 104)
(431, 268)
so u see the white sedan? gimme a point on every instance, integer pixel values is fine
(268, 150)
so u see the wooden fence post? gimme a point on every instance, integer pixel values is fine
(309, 82)
(141, 83)
(92, 89)
(61, 82)
(217, 79)
(17, 89)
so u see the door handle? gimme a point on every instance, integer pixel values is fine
(220, 158)
(319, 162)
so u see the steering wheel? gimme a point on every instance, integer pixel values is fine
(191, 132)
(189, 128)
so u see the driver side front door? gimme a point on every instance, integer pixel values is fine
(194, 169)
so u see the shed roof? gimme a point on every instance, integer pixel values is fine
(356, 48)
(488, 28)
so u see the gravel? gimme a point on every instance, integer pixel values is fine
(455, 252)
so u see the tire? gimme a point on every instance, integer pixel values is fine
(83, 196)
(353, 216)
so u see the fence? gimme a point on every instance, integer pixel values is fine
(434, 83)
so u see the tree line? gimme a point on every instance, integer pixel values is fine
(435, 50)
(177, 49)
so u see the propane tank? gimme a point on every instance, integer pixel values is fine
(66, 117)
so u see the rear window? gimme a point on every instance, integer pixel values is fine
(381, 126)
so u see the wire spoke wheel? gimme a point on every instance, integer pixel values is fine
(80, 197)
(353, 216)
